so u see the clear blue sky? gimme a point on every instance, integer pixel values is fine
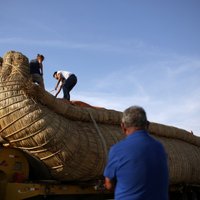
(124, 52)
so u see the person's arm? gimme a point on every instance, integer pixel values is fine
(41, 69)
(59, 90)
(110, 170)
(60, 80)
(41, 66)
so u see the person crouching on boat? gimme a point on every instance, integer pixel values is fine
(66, 81)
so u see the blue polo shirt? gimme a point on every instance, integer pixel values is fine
(138, 164)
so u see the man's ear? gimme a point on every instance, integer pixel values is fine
(123, 127)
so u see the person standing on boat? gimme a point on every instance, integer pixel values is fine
(36, 70)
(137, 165)
(66, 81)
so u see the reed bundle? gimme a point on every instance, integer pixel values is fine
(73, 141)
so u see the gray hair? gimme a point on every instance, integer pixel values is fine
(135, 116)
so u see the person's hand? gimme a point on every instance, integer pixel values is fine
(108, 184)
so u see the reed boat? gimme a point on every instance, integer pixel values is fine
(73, 140)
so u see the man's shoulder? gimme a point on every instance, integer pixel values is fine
(33, 61)
(119, 146)
(154, 140)
(155, 144)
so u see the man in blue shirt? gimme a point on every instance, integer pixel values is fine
(137, 165)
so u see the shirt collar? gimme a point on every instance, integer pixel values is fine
(137, 133)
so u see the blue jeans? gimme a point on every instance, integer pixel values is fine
(68, 85)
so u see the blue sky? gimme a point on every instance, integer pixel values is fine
(124, 52)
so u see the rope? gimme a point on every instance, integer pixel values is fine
(42, 145)
(10, 97)
(100, 134)
(28, 136)
(14, 121)
(8, 113)
(39, 151)
(56, 167)
(11, 90)
(16, 68)
(15, 102)
(51, 155)
(36, 147)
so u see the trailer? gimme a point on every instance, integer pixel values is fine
(22, 177)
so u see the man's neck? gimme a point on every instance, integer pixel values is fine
(132, 130)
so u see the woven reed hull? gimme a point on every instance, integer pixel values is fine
(73, 141)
